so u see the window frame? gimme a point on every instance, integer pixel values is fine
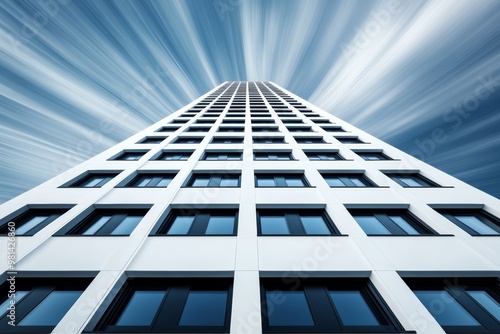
(215, 179)
(280, 179)
(184, 155)
(182, 140)
(344, 178)
(87, 176)
(149, 138)
(237, 154)
(268, 140)
(485, 217)
(335, 154)
(122, 155)
(381, 154)
(310, 140)
(157, 175)
(223, 140)
(288, 154)
(292, 218)
(417, 177)
(26, 214)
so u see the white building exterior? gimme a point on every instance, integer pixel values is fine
(433, 247)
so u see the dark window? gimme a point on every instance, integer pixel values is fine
(233, 121)
(287, 115)
(333, 129)
(201, 305)
(390, 222)
(413, 180)
(130, 155)
(300, 129)
(106, 222)
(211, 115)
(261, 115)
(474, 222)
(188, 140)
(262, 121)
(205, 121)
(179, 121)
(174, 155)
(350, 140)
(280, 180)
(31, 221)
(320, 306)
(323, 155)
(199, 222)
(268, 140)
(319, 121)
(168, 129)
(152, 140)
(231, 129)
(292, 121)
(39, 303)
(265, 129)
(92, 180)
(214, 180)
(309, 140)
(273, 156)
(371, 156)
(151, 180)
(460, 305)
(288, 222)
(235, 115)
(227, 140)
(198, 129)
(347, 180)
(222, 156)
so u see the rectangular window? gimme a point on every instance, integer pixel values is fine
(152, 140)
(130, 155)
(320, 155)
(233, 121)
(227, 140)
(235, 115)
(309, 140)
(231, 129)
(265, 129)
(273, 156)
(333, 129)
(390, 222)
(292, 121)
(198, 129)
(291, 222)
(205, 121)
(411, 180)
(373, 156)
(474, 222)
(211, 155)
(30, 221)
(350, 140)
(179, 121)
(280, 180)
(174, 155)
(92, 180)
(40, 303)
(106, 222)
(320, 121)
(300, 129)
(188, 140)
(168, 129)
(333, 305)
(460, 305)
(151, 180)
(269, 140)
(263, 121)
(199, 222)
(347, 180)
(214, 180)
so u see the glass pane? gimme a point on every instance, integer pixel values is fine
(476, 224)
(51, 310)
(127, 225)
(201, 181)
(141, 309)
(404, 224)
(144, 181)
(232, 182)
(288, 308)
(92, 182)
(294, 181)
(220, 225)
(181, 225)
(30, 224)
(204, 308)
(273, 225)
(357, 182)
(371, 225)
(409, 181)
(17, 298)
(445, 309)
(486, 301)
(353, 308)
(164, 182)
(314, 225)
(97, 225)
(334, 182)
(265, 181)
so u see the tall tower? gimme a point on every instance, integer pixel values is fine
(251, 210)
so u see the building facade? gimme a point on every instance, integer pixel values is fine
(251, 210)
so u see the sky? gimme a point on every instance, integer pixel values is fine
(77, 77)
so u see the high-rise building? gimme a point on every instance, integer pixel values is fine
(251, 210)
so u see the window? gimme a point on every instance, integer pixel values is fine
(233, 121)
(179, 305)
(151, 180)
(198, 129)
(263, 121)
(227, 140)
(372, 156)
(106, 222)
(390, 222)
(152, 140)
(350, 140)
(474, 222)
(309, 140)
(411, 180)
(347, 180)
(288, 222)
(265, 129)
(222, 155)
(205, 121)
(300, 129)
(330, 305)
(460, 305)
(333, 129)
(30, 221)
(269, 140)
(320, 155)
(261, 115)
(130, 155)
(231, 129)
(235, 115)
(168, 129)
(292, 121)
(280, 180)
(92, 180)
(214, 180)
(211, 115)
(319, 121)
(287, 115)
(188, 140)
(174, 155)
(199, 222)
(179, 121)
(273, 156)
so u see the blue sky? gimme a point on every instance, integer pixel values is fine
(422, 75)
